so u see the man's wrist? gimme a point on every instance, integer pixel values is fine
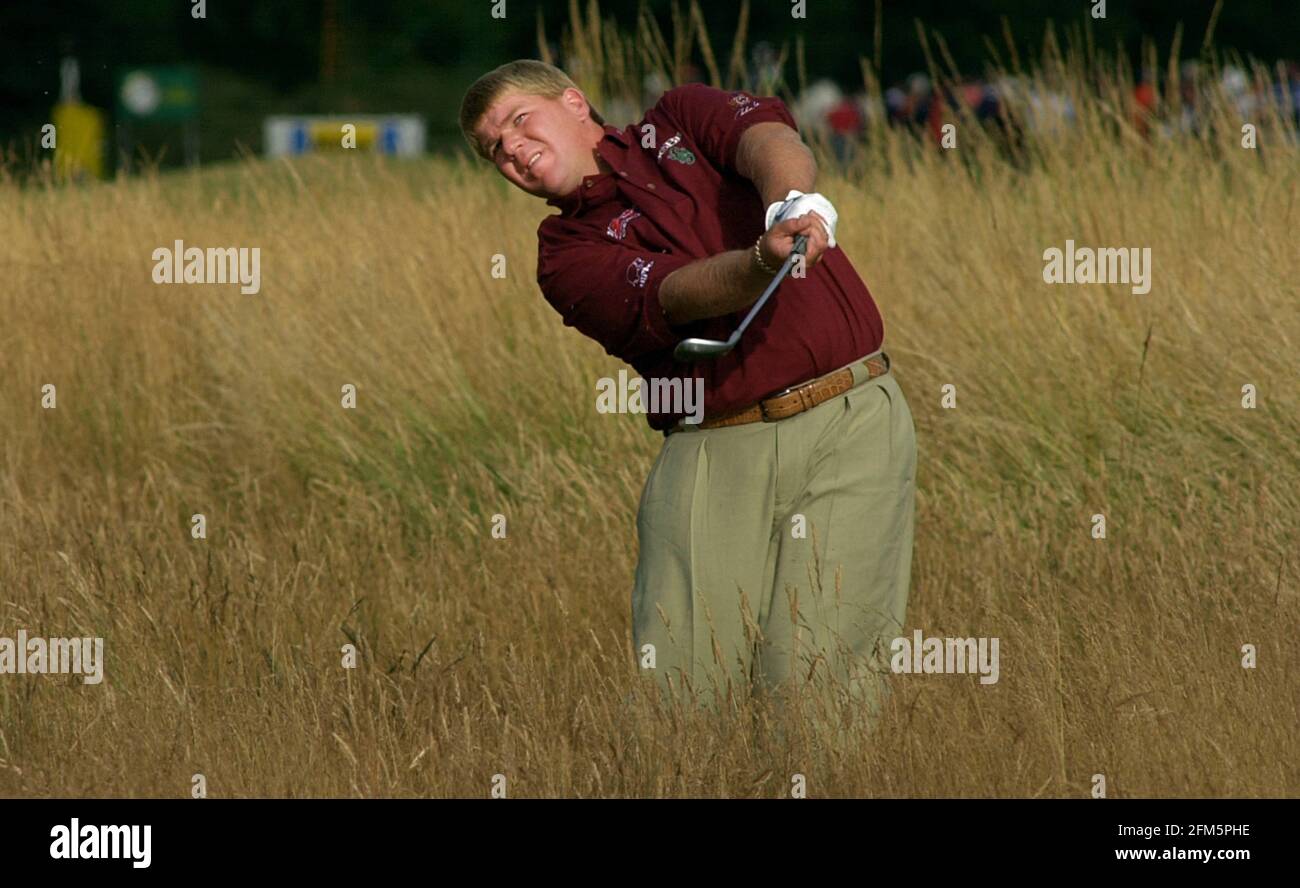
(759, 262)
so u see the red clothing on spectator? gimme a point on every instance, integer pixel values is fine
(1144, 94)
(674, 196)
(845, 118)
(934, 116)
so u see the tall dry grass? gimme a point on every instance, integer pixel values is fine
(481, 656)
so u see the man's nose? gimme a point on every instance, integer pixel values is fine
(515, 146)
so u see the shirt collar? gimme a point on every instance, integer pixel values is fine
(611, 148)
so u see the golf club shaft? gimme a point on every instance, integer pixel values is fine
(800, 244)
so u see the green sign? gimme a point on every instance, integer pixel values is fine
(160, 93)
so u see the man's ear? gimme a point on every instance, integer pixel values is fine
(576, 102)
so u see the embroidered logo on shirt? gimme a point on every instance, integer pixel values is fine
(743, 103)
(681, 155)
(618, 226)
(639, 271)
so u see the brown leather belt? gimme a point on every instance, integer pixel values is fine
(793, 400)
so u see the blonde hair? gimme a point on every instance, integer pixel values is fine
(527, 76)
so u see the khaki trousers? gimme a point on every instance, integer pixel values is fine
(779, 553)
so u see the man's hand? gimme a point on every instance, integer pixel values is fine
(778, 242)
(797, 203)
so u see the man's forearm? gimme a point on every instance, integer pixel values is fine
(710, 287)
(775, 159)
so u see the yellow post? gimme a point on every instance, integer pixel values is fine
(79, 141)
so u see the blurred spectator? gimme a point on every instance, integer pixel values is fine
(1144, 97)
(847, 127)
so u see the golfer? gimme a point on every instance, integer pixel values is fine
(776, 533)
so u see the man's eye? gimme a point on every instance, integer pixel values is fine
(518, 118)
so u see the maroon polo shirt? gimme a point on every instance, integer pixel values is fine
(601, 260)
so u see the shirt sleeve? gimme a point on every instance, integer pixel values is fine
(715, 119)
(609, 292)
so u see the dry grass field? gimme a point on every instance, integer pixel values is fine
(482, 656)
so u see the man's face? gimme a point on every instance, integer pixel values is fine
(543, 146)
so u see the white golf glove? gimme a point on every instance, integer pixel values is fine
(797, 203)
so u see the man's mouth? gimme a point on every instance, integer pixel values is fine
(532, 160)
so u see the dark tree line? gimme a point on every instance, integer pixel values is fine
(264, 55)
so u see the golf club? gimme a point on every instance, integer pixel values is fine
(697, 349)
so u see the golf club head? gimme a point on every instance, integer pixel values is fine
(698, 349)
